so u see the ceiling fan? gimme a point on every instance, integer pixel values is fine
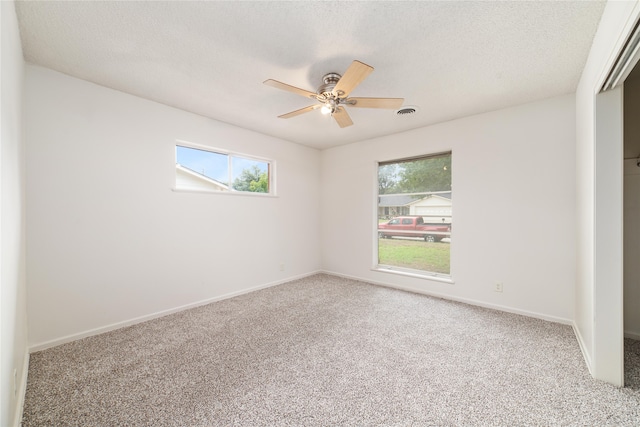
(333, 94)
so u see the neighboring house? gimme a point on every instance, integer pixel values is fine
(188, 179)
(390, 205)
(434, 208)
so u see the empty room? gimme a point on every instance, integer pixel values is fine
(319, 213)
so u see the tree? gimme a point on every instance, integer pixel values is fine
(429, 174)
(252, 179)
(261, 186)
(387, 178)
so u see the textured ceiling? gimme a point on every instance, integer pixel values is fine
(450, 59)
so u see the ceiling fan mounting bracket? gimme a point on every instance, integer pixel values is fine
(331, 78)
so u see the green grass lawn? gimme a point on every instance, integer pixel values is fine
(416, 254)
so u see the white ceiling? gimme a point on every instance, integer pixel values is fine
(450, 59)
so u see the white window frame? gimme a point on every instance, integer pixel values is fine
(230, 154)
(403, 271)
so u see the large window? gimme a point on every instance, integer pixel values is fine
(205, 170)
(414, 215)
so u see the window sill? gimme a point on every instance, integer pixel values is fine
(436, 277)
(223, 193)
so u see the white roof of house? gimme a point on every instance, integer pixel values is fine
(204, 179)
(408, 199)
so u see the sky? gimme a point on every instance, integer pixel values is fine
(214, 165)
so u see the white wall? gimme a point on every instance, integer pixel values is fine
(616, 22)
(108, 241)
(608, 238)
(514, 158)
(12, 221)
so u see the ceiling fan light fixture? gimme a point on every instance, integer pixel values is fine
(329, 106)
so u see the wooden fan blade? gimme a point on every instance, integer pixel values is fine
(289, 88)
(390, 103)
(351, 78)
(342, 117)
(300, 111)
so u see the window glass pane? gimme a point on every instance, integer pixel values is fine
(198, 169)
(414, 214)
(207, 163)
(250, 175)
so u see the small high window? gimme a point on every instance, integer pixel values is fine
(216, 171)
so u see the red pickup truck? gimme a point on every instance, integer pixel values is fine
(413, 226)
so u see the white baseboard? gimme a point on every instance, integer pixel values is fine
(145, 318)
(583, 348)
(632, 334)
(469, 301)
(21, 392)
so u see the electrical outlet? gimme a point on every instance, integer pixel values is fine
(498, 287)
(282, 266)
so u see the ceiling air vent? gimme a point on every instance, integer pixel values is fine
(407, 111)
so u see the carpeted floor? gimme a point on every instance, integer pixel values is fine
(327, 351)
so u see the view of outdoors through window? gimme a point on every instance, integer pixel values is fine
(414, 214)
(198, 169)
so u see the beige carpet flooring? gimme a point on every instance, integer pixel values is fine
(327, 351)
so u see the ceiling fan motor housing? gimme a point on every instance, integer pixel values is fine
(330, 80)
